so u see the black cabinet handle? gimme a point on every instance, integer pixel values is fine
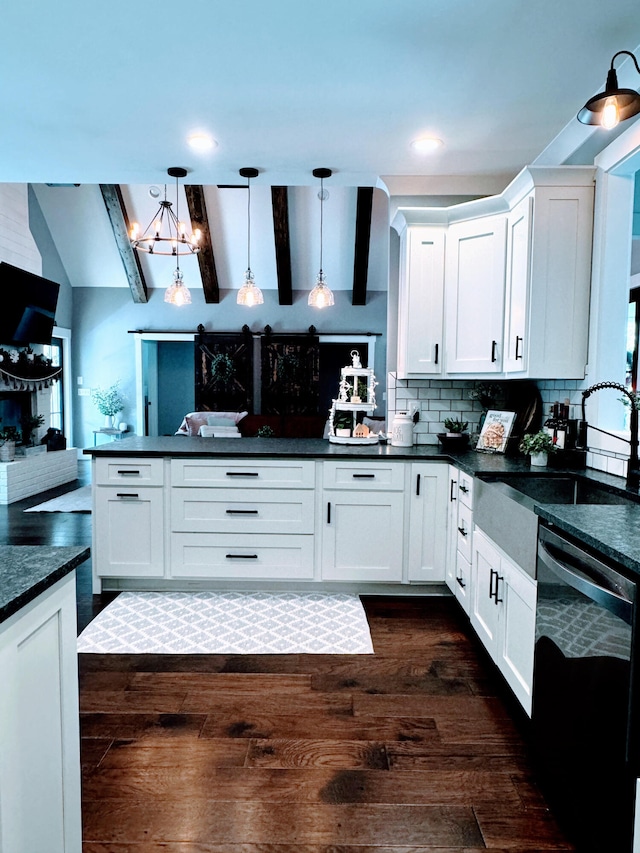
(494, 346)
(461, 583)
(242, 512)
(242, 474)
(463, 531)
(498, 579)
(418, 486)
(451, 495)
(241, 556)
(130, 472)
(435, 360)
(363, 476)
(329, 512)
(463, 488)
(126, 495)
(491, 574)
(518, 341)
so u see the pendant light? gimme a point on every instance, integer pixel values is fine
(321, 296)
(249, 293)
(614, 104)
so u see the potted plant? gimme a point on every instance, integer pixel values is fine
(538, 445)
(109, 402)
(8, 437)
(456, 436)
(343, 424)
(29, 424)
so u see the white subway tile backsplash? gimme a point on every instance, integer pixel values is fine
(451, 394)
(616, 467)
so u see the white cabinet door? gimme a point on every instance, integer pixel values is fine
(517, 634)
(420, 331)
(362, 535)
(475, 277)
(129, 531)
(40, 741)
(427, 522)
(484, 610)
(516, 338)
(452, 527)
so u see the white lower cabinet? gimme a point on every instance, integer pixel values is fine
(427, 522)
(241, 556)
(129, 531)
(40, 742)
(503, 613)
(452, 517)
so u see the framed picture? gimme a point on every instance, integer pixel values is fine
(495, 431)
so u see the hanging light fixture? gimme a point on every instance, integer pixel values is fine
(164, 235)
(249, 293)
(614, 104)
(321, 296)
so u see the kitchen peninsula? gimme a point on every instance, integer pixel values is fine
(39, 748)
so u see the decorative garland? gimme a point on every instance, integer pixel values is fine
(23, 370)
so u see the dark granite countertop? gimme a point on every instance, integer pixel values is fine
(26, 571)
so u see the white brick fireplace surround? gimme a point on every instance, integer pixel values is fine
(29, 475)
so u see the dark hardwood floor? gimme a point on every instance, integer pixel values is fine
(418, 748)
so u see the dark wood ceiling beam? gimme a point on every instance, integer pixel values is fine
(206, 259)
(364, 208)
(280, 206)
(120, 224)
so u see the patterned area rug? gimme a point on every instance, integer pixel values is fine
(229, 623)
(79, 500)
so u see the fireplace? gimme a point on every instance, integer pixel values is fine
(16, 405)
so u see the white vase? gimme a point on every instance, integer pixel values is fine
(539, 459)
(7, 451)
(108, 421)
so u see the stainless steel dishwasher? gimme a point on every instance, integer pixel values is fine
(585, 683)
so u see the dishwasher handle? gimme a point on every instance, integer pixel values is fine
(580, 581)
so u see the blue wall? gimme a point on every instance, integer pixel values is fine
(103, 350)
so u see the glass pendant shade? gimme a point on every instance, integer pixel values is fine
(321, 296)
(177, 293)
(249, 294)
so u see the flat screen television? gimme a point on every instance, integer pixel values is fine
(28, 313)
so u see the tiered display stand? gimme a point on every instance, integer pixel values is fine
(356, 396)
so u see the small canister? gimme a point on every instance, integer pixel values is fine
(402, 430)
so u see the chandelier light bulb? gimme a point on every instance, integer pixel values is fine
(249, 294)
(321, 296)
(178, 293)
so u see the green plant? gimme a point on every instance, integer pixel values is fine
(29, 423)
(455, 425)
(109, 401)
(537, 442)
(265, 431)
(343, 420)
(8, 433)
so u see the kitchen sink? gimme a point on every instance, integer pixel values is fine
(504, 507)
(565, 489)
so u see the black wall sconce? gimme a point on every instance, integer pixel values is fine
(614, 104)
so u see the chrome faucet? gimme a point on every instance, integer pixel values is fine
(633, 466)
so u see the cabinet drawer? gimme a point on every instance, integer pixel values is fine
(236, 473)
(465, 528)
(462, 581)
(210, 555)
(465, 489)
(111, 472)
(383, 476)
(242, 510)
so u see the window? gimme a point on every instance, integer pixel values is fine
(56, 414)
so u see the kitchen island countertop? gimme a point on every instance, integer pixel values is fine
(26, 571)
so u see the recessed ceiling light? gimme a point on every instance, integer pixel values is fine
(201, 142)
(426, 144)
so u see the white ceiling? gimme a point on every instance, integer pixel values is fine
(108, 93)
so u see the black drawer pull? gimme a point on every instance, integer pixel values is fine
(463, 531)
(242, 474)
(435, 360)
(130, 471)
(126, 495)
(329, 512)
(242, 556)
(452, 497)
(461, 583)
(242, 512)
(418, 486)
(494, 347)
(463, 488)
(363, 476)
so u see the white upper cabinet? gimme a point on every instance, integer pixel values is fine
(499, 286)
(548, 282)
(421, 351)
(474, 282)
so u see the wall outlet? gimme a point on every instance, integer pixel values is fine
(80, 380)
(84, 392)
